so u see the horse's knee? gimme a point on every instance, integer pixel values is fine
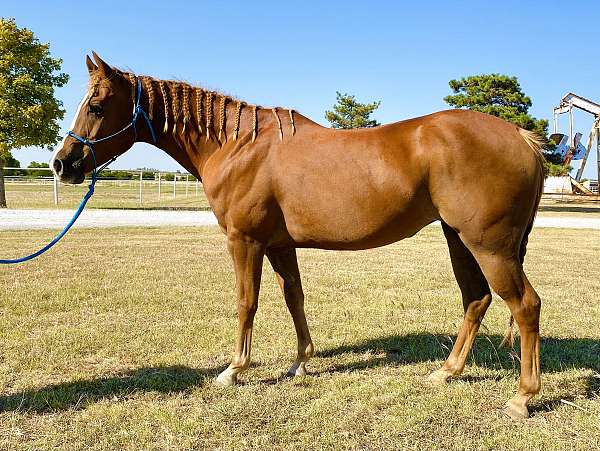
(531, 300)
(246, 311)
(526, 310)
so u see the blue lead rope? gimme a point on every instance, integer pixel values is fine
(90, 143)
(58, 237)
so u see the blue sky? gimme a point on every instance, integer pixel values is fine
(298, 54)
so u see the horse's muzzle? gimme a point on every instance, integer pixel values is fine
(68, 171)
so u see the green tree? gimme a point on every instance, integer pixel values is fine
(348, 113)
(502, 96)
(12, 162)
(36, 165)
(29, 110)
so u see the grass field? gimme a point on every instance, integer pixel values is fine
(113, 339)
(108, 194)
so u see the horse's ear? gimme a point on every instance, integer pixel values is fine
(104, 68)
(90, 64)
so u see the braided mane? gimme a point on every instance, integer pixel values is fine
(193, 106)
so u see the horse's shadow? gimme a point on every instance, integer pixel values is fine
(81, 393)
(558, 354)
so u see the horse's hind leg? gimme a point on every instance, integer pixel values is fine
(505, 275)
(285, 265)
(476, 299)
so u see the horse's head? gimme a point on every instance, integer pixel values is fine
(105, 109)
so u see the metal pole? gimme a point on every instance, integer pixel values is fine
(598, 157)
(588, 150)
(571, 137)
(174, 185)
(555, 122)
(187, 179)
(159, 186)
(55, 190)
(141, 185)
(197, 183)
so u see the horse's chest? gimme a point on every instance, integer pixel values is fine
(243, 206)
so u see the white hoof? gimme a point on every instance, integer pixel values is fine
(226, 379)
(297, 369)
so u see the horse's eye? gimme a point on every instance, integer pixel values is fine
(96, 109)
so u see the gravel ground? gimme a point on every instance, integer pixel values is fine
(56, 219)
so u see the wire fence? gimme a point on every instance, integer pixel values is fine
(38, 188)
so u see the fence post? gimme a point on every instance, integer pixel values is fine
(197, 183)
(55, 189)
(598, 157)
(141, 185)
(174, 185)
(159, 186)
(187, 180)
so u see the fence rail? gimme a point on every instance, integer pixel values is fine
(134, 189)
(115, 189)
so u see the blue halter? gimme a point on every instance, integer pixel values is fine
(137, 111)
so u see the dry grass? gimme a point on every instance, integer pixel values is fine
(112, 340)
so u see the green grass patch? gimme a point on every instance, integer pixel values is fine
(112, 341)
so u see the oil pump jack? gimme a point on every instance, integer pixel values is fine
(569, 145)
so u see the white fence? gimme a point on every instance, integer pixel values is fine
(148, 185)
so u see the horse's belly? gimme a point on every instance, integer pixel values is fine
(357, 225)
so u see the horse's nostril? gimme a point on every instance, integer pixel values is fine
(58, 166)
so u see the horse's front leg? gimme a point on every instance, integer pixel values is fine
(247, 258)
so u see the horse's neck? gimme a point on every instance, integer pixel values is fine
(191, 147)
(191, 159)
(186, 146)
(191, 136)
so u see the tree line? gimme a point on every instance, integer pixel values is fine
(35, 169)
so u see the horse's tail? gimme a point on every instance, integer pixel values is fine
(535, 143)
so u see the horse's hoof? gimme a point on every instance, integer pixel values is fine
(515, 411)
(438, 377)
(297, 370)
(226, 379)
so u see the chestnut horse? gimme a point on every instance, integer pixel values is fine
(277, 181)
